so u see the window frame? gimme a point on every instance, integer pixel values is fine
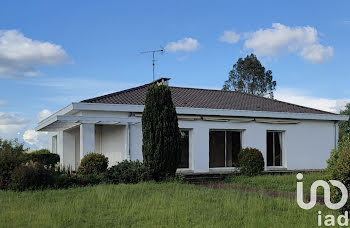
(240, 131)
(282, 147)
(190, 165)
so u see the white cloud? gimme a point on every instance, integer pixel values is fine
(2, 102)
(229, 37)
(11, 125)
(20, 56)
(43, 114)
(317, 53)
(35, 138)
(300, 97)
(186, 44)
(281, 39)
(14, 126)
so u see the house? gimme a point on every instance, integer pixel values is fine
(214, 125)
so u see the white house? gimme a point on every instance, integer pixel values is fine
(215, 125)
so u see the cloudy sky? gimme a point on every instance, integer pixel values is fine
(55, 53)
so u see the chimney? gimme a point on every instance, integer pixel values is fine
(162, 81)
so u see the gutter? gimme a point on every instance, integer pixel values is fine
(211, 112)
(336, 132)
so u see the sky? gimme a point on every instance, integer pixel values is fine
(53, 53)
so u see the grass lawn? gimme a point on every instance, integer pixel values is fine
(285, 183)
(151, 205)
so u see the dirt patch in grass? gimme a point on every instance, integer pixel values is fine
(266, 192)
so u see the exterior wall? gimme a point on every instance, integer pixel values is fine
(112, 143)
(306, 145)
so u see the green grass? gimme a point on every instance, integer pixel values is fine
(285, 183)
(151, 205)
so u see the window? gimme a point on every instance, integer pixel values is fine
(224, 147)
(185, 149)
(274, 148)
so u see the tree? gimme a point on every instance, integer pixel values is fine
(344, 126)
(161, 135)
(12, 145)
(249, 76)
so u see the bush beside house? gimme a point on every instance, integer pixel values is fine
(93, 163)
(30, 176)
(9, 160)
(251, 161)
(44, 157)
(343, 145)
(128, 172)
(35, 170)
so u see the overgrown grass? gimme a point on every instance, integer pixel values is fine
(286, 182)
(151, 205)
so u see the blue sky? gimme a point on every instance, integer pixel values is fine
(55, 53)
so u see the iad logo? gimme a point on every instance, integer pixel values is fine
(329, 220)
(313, 194)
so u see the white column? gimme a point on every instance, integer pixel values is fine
(60, 146)
(87, 139)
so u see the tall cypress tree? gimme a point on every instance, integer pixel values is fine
(161, 135)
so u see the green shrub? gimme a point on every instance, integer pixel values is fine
(127, 172)
(341, 172)
(251, 161)
(93, 163)
(41, 151)
(9, 160)
(343, 144)
(161, 135)
(49, 160)
(75, 180)
(30, 176)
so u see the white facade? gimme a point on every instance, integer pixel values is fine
(116, 131)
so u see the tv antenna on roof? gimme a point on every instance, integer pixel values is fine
(161, 50)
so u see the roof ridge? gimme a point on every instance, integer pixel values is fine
(257, 96)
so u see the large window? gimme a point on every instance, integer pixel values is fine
(224, 147)
(274, 148)
(185, 149)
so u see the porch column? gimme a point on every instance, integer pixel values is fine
(87, 139)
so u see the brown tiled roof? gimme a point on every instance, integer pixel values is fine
(206, 98)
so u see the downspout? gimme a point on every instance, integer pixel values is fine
(335, 134)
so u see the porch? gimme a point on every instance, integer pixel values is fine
(72, 137)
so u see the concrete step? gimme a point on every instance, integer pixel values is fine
(203, 178)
